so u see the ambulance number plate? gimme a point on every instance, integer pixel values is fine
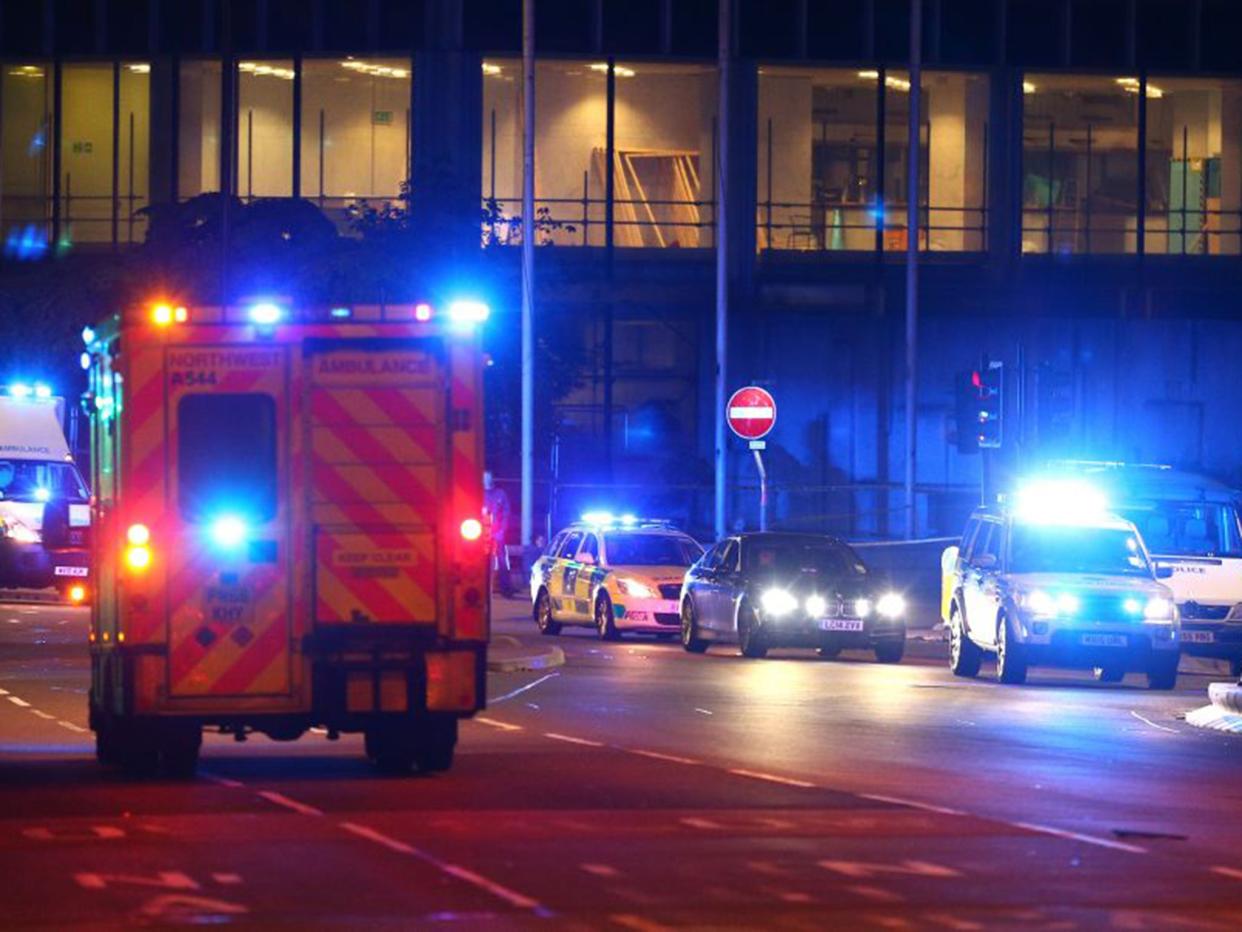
(229, 604)
(70, 571)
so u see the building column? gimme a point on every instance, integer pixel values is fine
(1004, 163)
(162, 163)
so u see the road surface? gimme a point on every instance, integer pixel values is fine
(639, 787)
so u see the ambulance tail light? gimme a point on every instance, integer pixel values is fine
(471, 529)
(163, 315)
(138, 549)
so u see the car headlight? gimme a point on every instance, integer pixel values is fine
(21, 533)
(816, 606)
(635, 588)
(1158, 608)
(862, 608)
(891, 605)
(777, 602)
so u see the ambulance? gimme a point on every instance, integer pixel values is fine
(289, 528)
(44, 504)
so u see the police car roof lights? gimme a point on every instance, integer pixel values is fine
(265, 313)
(1059, 501)
(20, 390)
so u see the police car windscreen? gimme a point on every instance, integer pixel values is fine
(1037, 548)
(651, 550)
(793, 558)
(1193, 529)
(33, 481)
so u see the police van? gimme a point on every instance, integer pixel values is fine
(44, 504)
(1190, 524)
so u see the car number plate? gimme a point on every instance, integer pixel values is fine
(841, 624)
(70, 571)
(1199, 637)
(1104, 640)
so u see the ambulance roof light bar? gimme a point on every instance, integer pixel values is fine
(23, 390)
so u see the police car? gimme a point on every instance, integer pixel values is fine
(1057, 580)
(616, 574)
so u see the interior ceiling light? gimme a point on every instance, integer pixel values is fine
(491, 69)
(140, 67)
(27, 71)
(619, 70)
(1028, 87)
(897, 84)
(1131, 86)
(374, 70)
(265, 71)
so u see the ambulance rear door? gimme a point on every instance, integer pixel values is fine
(224, 550)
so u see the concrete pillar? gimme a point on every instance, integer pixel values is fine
(957, 110)
(1231, 169)
(785, 106)
(163, 166)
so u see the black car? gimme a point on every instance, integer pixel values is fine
(789, 590)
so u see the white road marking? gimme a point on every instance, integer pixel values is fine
(42, 714)
(1077, 836)
(491, 722)
(696, 822)
(863, 870)
(227, 879)
(572, 740)
(913, 804)
(630, 921)
(223, 781)
(281, 800)
(72, 727)
(522, 689)
(771, 777)
(512, 897)
(600, 870)
(876, 893)
(1147, 721)
(657, 755)
(19, 702)
(703, 711)
(319, 731)
(1231, 872)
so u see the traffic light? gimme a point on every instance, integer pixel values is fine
(980, 407)
(991, 384)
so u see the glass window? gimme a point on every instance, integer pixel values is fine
(133, 146)
(664, 163)
(570, 129)
(226, 456)
(728, 558)
(264, 129)
(1080, 164)
(590, 547)
(555, 546)
(570, 547)
(502, 149)
(794, 557)
(86, 154)
(817, 159)
(198, 134)
(968, 539)
(36, 481)
(1195, 529)
(25, 159)
(1194, 166)
(355, 130)
(1053, 548)
(629, 549)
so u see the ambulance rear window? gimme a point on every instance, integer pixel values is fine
(226, 452)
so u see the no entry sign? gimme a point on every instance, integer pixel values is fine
(751, 412)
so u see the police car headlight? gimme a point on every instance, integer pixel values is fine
(1158, 609)
(1038, 602)
(635, 588)
(21, 533)
(777, 602)
(891, 605)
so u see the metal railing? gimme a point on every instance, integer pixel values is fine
(583, 221)
(817, 226)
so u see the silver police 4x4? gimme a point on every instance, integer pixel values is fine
(1064, 588)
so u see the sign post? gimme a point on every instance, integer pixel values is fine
(751, 414)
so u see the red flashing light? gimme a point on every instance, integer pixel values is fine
(422, 312)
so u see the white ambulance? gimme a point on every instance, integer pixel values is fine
(44, 504)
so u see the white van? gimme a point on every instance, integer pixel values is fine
(44, 504)
(1191, 525)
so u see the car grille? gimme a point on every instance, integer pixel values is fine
(670, 591)
(1193, 611)
(1104, 608)
(667, 618)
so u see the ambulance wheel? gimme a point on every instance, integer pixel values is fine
(437, 739)
(391, 748)
(543, 615)
(137, 752)
(1010, 655)
(605, 619)
(105, 743)
(179, 747)
(965, 657)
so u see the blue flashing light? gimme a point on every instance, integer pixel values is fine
(20, 390)
(42, 391)
(266, 314)
(467, 312)
(85, 360)
(628, 520)
(229, 531)
(88, 335)
(43, 495)
(597, 517)
(1054, 501)
(341, 313)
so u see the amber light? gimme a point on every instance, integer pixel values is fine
(138, 558)
(164, 314)
(472, 529)
(77, 593)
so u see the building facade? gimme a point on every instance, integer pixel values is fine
(1080, 194)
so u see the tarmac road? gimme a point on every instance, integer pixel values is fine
(640, 787)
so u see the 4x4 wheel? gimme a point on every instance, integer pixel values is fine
(1162, 673)
(605, 619)
(1010, 655)
(543, 614)
(965, 657)
(690, 639)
